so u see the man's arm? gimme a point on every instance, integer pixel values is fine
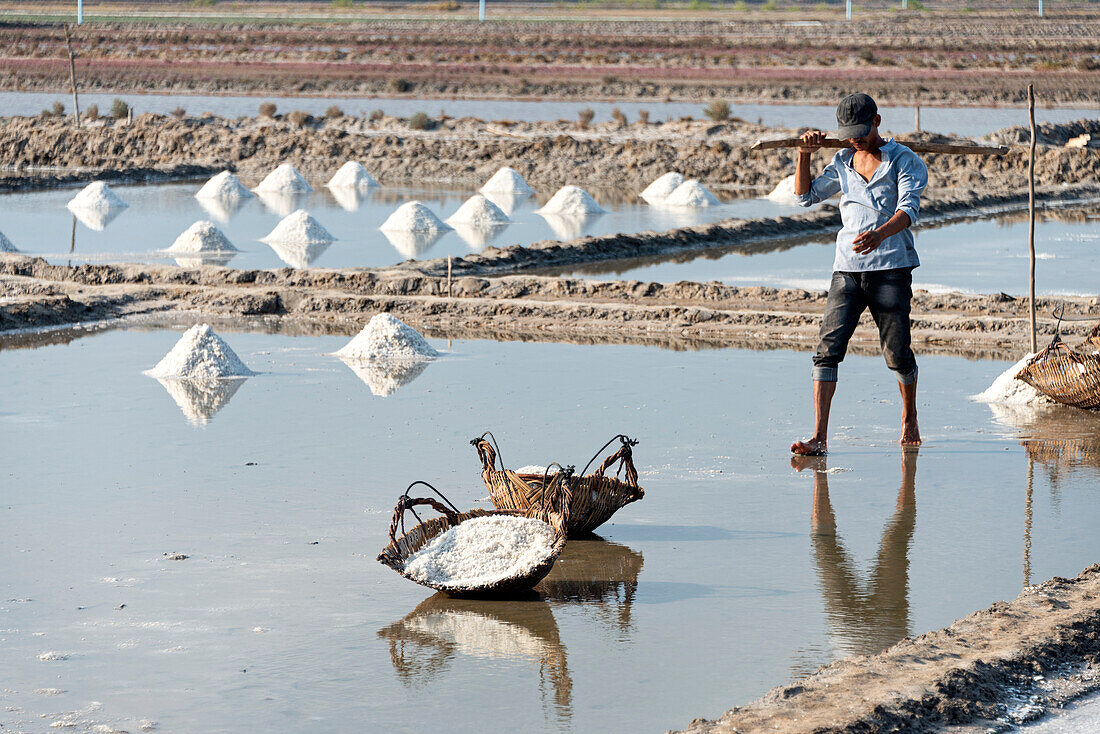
(813, 190)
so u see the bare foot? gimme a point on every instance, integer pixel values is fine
(910, 433)
(811, 447)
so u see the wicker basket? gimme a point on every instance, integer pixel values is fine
(595, 498)
(1068, 376)
(555, 512)
(1092, 342)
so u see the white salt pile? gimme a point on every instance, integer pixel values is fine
(225, 187)
(691, 193)
(506, 181)
(285, 180)
(387, 338)
(478, 211)
(482, 551)
(412, 216)
(96, 195)
(352, 175)
(200, 353)
(299, 228)
(202, 236)
(6, 245)
(531, 469)
(660, 189)
(783, 193)
(1007, 390)
(571, 201)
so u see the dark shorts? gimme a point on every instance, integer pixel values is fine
(887, 294)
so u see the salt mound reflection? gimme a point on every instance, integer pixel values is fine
(412, 244)
(349, 198)
(283, 204)
(197, 261)
(98, 218)
(569, 227)
(222, 209)
(201, 399)
(478, 238)
(385, 378)
(298, 255)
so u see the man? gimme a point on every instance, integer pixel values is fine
(880, 182)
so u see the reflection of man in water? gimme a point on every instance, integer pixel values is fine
(868, 616)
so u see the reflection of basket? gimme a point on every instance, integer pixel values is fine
(1068, 376)
(555, 512)
(602, 574)
(595, 498)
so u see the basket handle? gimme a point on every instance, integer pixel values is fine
(407, 503)
(625, 457)
(487, 452)
(556, 499)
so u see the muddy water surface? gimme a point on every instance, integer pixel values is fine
(735, 573)
(38, 223)
(983, 256)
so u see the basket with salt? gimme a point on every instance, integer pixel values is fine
(479, 552)
(595, 498)
(1070, 376)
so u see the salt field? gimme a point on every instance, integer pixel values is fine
(977, 256)
(970, 121)
(39, 224)
(214, 570)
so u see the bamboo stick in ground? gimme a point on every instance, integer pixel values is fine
(72, 73)
(1031, 215)
(915, 146)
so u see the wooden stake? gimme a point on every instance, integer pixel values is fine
(448, 276)
(917, 128)
(916, 147)
(1031, 216)
(72, 73)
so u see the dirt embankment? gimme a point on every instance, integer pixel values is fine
(469, 151)
(36, 294)
(964, 676)
(965, 58)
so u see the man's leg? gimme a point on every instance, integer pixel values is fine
(842, 311)
(889, 293)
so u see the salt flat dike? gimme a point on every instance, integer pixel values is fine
(961, 677)
(469, 151)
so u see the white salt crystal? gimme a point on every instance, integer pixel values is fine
(285, 180)
(660, 189)
(224, 187)
(54, 655)
(202, 236)
(96, 195)
(200, 353)
(299, 228)
(388, 338)
(352, 175)
(479, 212)
(506, 181)
(531, 469)
(691, 193)
(571, 201)
(6, 245)
(1007, 390)
(482, 551)
(783, 193)
(412, 216)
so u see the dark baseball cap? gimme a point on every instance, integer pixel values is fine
(855, 116)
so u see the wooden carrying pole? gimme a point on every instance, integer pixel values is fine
(916, 147)
(1031, 216)
(72, 73)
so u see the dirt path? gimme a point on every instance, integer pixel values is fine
(961, 678)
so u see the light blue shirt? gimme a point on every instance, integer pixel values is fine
(895, 186)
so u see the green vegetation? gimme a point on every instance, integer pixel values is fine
(400, 85)
(699, 5)
(119, 109)
(420, 121)
(718, 110)
(769, 5)
(343, 3)
(204, 3)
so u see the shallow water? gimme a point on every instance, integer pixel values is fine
(969, 121)
(982, 256)
(39, 224)
(734, 574)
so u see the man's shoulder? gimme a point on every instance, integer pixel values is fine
(902, 153)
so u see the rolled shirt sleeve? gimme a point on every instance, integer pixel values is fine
(912, 178)
(824, 186)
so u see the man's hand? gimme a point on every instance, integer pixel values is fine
(867, 242)
(811, 141)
